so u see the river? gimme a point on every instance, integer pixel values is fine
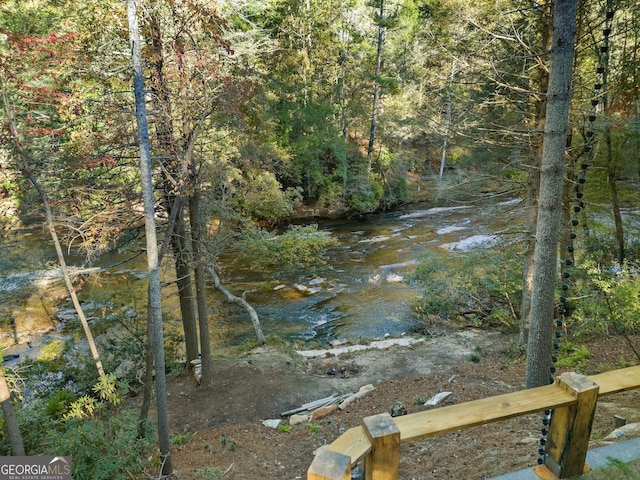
(362, 292)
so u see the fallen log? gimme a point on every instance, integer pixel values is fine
(240, 301)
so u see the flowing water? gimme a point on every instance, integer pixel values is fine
(363, 291)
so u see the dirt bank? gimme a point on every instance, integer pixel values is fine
(220, 430)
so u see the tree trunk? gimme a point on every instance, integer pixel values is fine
(612, 169)
(147, 393)
(344, 120)
(255, 320)
(156, 342)
(174, 179)
(10, 419)
(447, 120)
(539, 347)
(24, 156)
(185, 290)
(533, 177)
(199, 256)
(376, 88)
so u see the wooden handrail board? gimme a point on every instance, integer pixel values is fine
(617, 381)
(478, 412)
(354, 443)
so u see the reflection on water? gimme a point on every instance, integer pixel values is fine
(362, 292)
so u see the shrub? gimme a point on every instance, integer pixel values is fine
(484, 288)
(298, 246)
(610, 300)
(264, 199)
(60, 403)
(572, 356)
(104, 447)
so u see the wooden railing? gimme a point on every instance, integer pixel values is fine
(573, 398)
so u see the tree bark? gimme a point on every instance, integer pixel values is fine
(10, 419)
(174, 179)
(447, 120)
(199, 256)
(612, 168)
(156, 342)
(540, 343)
(376, 88)
(255, 320)
(533, 177)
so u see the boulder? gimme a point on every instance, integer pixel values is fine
(298, 418)
(627, 431)
(272, 422)
(323, 412)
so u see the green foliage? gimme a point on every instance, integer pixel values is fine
(52, 351)
(60, 403)
(470, 287)
(610, 300)
(35, 427)
(173, 352)
(31, 18)
(396, 192)
(228, 442)
(265, 200)
(109, 390)
(284, 428)
(103, 448)
(616, 470)
(84, 407)
(298, 246)
(364, 195)
(573, 356)
(181, 439)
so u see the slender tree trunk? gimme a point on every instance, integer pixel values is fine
(174, 176)
(612, 167)
(147, 393)
(10, 419)
(24, 158)
(185, 290)
(539, 346)
(156, 342)
(376, 88)
(344, 122)
(533, 177)
(568, 194)
(199, 256)
(447, 120)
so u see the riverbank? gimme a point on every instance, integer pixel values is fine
(224, 431)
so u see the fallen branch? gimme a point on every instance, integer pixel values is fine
(240, 301)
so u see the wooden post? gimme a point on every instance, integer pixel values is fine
(329, 465)
(383, 462)
(570, 428)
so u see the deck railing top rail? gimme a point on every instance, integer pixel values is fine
(571, 394)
